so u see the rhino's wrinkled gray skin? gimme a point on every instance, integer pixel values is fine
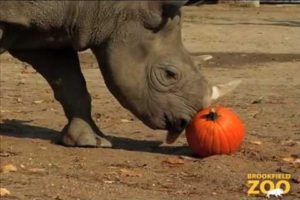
(138, 46)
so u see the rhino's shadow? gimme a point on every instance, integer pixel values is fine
(21, 129)
(148, 146)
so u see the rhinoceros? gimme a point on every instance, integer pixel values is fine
(138, 46)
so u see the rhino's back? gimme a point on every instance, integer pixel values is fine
(33, 13)
(33, 24)
(56, 24)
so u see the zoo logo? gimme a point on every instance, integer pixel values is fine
(268, 184)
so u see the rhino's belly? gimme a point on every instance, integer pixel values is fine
(30, 39)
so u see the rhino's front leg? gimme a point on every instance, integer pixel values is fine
(61, 69)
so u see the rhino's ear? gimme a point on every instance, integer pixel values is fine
(160, 11)
(177, 4)
(222, 89)
(172, 8)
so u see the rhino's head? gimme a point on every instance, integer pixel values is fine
(147, 68)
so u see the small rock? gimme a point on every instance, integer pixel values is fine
(8, 168)
(4, 192)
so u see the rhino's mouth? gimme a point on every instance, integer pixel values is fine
(175, 127)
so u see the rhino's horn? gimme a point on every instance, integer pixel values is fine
(222, 89)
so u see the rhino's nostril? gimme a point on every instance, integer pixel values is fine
(176, 125)
(183, 123)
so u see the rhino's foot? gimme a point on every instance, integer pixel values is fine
(79, 133)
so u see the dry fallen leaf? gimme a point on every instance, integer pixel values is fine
(290, 142)
(28, 70)
(257, 142)
(297, 161)
(38, 101)
(174, 161)
(4, 154)
(258, 100)
(5, 111)
(206, 57)
(126, 120)
(4, 192)
(43, 147)
(189, 158)
(296, 155)
(256, 113)
(8, 168)
(37, 170)
(130, 173)
(108, 182)
(289, 159)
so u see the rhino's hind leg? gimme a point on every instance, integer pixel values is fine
(61, 69)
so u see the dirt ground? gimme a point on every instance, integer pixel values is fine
(261, 46)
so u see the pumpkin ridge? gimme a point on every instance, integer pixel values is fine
(235, 136)
(216, 141)
(226, 122)
(211, 135)
(203, 139)
(225, 140)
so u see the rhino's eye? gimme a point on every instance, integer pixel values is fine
(164, 77)
(171, 73)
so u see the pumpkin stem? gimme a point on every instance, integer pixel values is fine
(212, 115)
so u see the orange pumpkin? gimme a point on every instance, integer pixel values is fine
(215, 131)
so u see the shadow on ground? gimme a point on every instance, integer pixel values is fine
(237, 60)
(268, 23)
(21, 129)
